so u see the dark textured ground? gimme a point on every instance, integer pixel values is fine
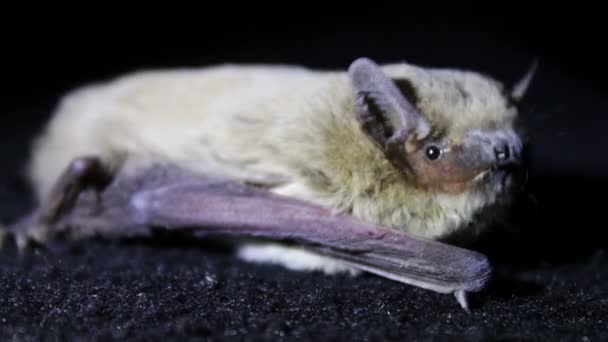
(551, 269)
(142, 291)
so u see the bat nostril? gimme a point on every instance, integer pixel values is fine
(502, 152)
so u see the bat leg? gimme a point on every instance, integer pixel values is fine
(81, 173)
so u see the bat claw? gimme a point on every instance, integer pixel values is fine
(3, 235)
(22, 241)
(24, 233)
(461, 297)
(33, 234)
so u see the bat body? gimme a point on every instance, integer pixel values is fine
(427, 152)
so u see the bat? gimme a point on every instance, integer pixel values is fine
(363, 170)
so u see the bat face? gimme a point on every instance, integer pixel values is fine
(450, 134)
(482, 159)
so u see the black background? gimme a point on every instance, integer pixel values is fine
(566, 109)
(45, 58)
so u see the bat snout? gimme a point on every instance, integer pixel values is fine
(502, 152)
(493, 150)
(506, 154)
(506, 170)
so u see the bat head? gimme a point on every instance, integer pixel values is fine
(447, 131)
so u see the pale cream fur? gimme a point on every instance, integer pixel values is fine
(278, 124)
(293, 258)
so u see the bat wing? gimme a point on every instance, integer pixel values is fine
(168, 198)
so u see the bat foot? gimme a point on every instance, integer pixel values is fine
(34, 234)
(38, 226)
(461, 297)
(25, 233)
(82, 172)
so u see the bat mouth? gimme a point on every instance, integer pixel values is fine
(502, 177)
(482, 176)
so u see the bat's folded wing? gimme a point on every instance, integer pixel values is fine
(170, 199)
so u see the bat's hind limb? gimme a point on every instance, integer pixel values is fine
(82, 173)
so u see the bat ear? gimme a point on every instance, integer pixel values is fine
(386, 114)
(521, 87)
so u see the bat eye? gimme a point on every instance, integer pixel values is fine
(433, 152)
